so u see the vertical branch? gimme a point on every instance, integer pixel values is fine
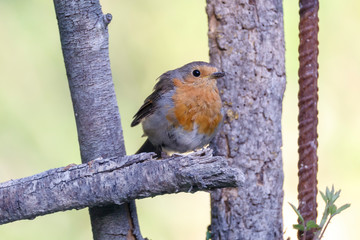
(84, 40)
(308, 120)
(246, 40)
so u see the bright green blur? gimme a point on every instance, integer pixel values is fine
(37, 126)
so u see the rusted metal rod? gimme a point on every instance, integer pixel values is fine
(308, 119)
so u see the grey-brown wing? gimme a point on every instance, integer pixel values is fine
(163, 85)
(146, 109)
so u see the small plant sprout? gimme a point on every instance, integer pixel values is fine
(330, 211)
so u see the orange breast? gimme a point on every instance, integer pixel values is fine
(197, 104)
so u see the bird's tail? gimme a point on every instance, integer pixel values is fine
(149, 147)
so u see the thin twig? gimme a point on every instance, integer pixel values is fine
(327, 223)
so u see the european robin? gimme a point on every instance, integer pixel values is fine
(184, 111)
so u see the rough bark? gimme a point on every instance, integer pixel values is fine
(113, 181)
(84, 40)
(247, 42)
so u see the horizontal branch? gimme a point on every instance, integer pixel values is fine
(108, 181)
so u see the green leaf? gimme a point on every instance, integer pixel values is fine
(342, 208)
(332, 209)
(311, 224)
(327, 193)
(299, 227)
(323, 196)
(208, 235)
(336, 196)
(332, 194)
(298, 213)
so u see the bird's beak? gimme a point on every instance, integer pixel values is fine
(217, 75)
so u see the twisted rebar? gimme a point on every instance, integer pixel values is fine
(308, 120)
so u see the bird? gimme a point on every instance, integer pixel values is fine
(184, 111)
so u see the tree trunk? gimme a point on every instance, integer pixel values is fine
(84, 40)
(246, 41)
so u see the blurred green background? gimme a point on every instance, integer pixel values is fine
(38, 132)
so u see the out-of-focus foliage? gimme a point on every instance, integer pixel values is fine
(38, 132)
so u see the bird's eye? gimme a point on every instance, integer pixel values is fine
(196, 73)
